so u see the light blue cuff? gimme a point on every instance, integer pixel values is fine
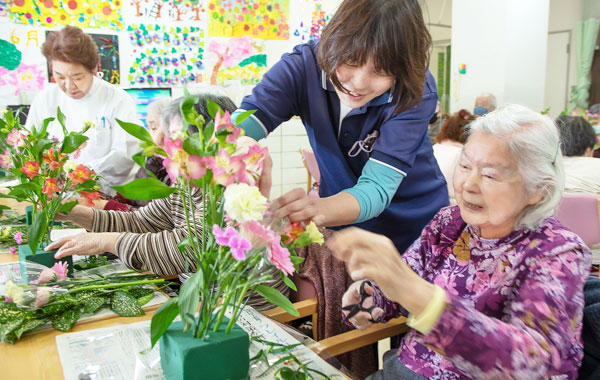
(375, 188)
(251, 125)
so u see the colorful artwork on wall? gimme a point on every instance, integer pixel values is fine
(81, 13)
(256, 18)
(165, 10)
(236, 59)
(165, 55)
(22, 66)
(310, 26)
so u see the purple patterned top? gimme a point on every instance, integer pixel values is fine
(514, 306)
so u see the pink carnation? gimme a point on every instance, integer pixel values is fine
(13, 250)
(19, 237)
(42, 296)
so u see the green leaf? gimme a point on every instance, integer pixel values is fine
(2, 208)
(213, 108)
(189, 115)
(58, 307)
(189, 295)
(193, 145)
(288, 282)
(37, 230)
(66, 320)
(10, 326)
(136, 131)
(45, 124)
(208, 131)
(91, 304)
(72, 142)
(243, 116)
(162, 319)
(145, 299)
(40, 146)
(139, 159)
(67, 207)
(125, 304)
(145, 189)
(61, 120)
(275, 297)
(187, 242)
(28, 325)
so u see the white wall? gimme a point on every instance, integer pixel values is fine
(503, 44)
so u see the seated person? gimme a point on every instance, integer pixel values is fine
(493, 288)
(582, 170)
(449, 143)
(146, 238)
(154, 163)
(73, 59)
(484, 103)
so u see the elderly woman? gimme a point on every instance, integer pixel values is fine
(493, 288)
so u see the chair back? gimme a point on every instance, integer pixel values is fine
(580, 213)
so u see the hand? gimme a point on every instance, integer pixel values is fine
(264, 184)
(371, 256)
(362, 320)
(298, 207)
(84, 244)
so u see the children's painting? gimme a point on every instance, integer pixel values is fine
(241, 59)
(81, 13)
(255, 18)
(310, 19)
(22, 66)
(157, 11)
(165, 55)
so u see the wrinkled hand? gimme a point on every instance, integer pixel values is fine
(362, 320)
(265, 182)
(81, 244)
(298, 207)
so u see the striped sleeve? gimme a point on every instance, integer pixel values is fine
(154, 217)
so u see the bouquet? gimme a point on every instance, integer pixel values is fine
(46, 174)
(230, 233)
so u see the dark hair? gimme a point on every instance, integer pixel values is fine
(172, 109)
(391, 32)
(454, 127)
(576, 135)
(71, 45)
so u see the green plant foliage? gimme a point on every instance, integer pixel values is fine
(125, 304)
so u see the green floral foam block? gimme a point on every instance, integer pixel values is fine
(220, 357)
(41, 257)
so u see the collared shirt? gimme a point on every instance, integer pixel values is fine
(296, 86)
(109, 148)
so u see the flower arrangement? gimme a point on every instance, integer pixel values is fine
(230, 233)
(53, 298)
(47, 176)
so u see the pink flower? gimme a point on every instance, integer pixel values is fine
(42, 296)
(61, 269)
(5, 160)
(19, 237)
(280, 256)
(13, 250)
(30, 169)
(15, 138)
(225, 167)
(230, 238)
(78, 151)
(258, 235)
(180, 163)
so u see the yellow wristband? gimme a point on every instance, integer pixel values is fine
(425, 322)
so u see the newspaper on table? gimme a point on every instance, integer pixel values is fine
(115, 352)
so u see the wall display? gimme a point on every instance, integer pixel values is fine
(256, 18)
(239, 59)
(81, 13)
(165, 11)
(165, 55)
(310, 25)
(21, 62)
(143, 97)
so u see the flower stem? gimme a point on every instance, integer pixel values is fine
(116, 285)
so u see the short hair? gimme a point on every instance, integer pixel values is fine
(158, 105)
(533, 140)
(391, 32)
(71, 45)
(486, 100)
(454, 127)
(595, 109)
(576, 135)
(172, 110)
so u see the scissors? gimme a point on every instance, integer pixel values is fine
(356, 308)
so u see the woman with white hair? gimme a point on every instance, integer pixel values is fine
(493, 287)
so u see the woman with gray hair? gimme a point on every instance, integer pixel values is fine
(493, 288)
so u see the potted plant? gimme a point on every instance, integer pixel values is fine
(231, 237)
(47, 177)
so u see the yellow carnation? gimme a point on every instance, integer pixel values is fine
(244, 203)
(313, 232)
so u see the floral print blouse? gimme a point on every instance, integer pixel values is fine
(514, 306)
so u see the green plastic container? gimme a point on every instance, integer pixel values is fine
(41, 257)
(220, 357)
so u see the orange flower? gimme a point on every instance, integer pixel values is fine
(80, 174)
(51, 187)
(50, 158)
(295, 229)
(30, 169)
(90, 197)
